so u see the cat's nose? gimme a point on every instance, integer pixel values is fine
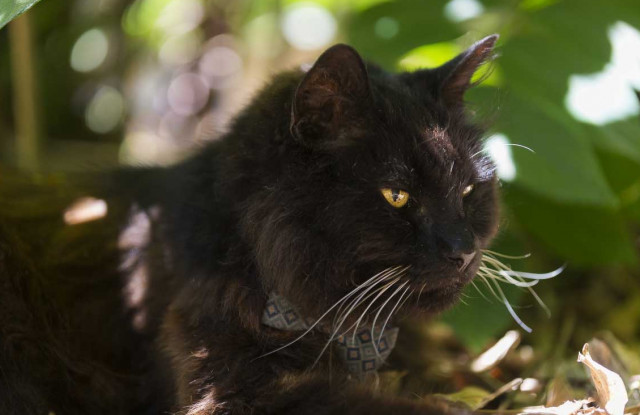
(457, 244)
(461, 259)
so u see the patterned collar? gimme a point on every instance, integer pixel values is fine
(358, 351)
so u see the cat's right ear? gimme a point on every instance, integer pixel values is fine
(329, 102)
(450, 81)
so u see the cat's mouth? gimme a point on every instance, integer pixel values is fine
(394, 292)
(442, 275)
(415, 288)
(438, 288)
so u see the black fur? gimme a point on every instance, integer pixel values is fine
(157, 307)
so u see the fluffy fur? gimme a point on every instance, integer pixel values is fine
(157, 307)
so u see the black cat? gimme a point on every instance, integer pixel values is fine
(263, 275)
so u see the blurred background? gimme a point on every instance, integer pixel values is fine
(89, 84)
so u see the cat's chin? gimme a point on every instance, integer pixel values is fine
(435, 300)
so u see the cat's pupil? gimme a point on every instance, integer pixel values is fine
(396, 197)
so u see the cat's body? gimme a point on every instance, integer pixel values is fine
(165, 313)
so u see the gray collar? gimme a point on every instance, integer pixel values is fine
(358, 351)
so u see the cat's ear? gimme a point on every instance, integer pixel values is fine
(450, 81)
(328, 103)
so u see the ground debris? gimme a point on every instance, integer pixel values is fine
(581, 407)
(612, 394)
(495, 354)
(489, 384)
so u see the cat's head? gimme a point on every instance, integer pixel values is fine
(378, 172)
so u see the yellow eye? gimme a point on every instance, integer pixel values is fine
(396, 197)
(467, 190)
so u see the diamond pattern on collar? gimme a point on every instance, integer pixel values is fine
(363, 352)
(280, 314)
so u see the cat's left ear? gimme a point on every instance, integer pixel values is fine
(450, 81)
(329, 102)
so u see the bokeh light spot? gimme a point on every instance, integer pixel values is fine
(105, 111)
(180, 49)
(141, 17)
(261, 36)
(219, 65)
(141, 147)
(428, 56)
(89, 51)
(498, 148)
(308, 26)
(460, 10)
(386, 27)
(609, 95)
(600, 98)
(188, 94)
(180, 16)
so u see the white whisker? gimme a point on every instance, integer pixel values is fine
(375, 318)
(489, 286)
(336, 304)
(473, 283)
(380, 293)
(540, 302)
(512, 311)
(353, 307)
(420, 293)
(534, 276)
(336, 328)
(387, 273)
(493, 271)
(405, 300)
(349, 329)
(498, 254)
(360, 298)
(390, 314)
(515, 282)
(520, 146)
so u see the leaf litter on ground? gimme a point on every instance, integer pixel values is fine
(602, 388)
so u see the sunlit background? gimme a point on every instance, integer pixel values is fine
(148, 81)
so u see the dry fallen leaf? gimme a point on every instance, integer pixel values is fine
(496, 353)
(567, 408)
(559, 390)
(612, 394)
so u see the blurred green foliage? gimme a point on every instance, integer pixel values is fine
(574, 199)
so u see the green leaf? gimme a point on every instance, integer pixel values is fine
(583, 235)
(415, 23)
(563, 165)
(537, 60)
(536, 63)
(622, 137)
(10, 9)
(429, 56)
(624, 175)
